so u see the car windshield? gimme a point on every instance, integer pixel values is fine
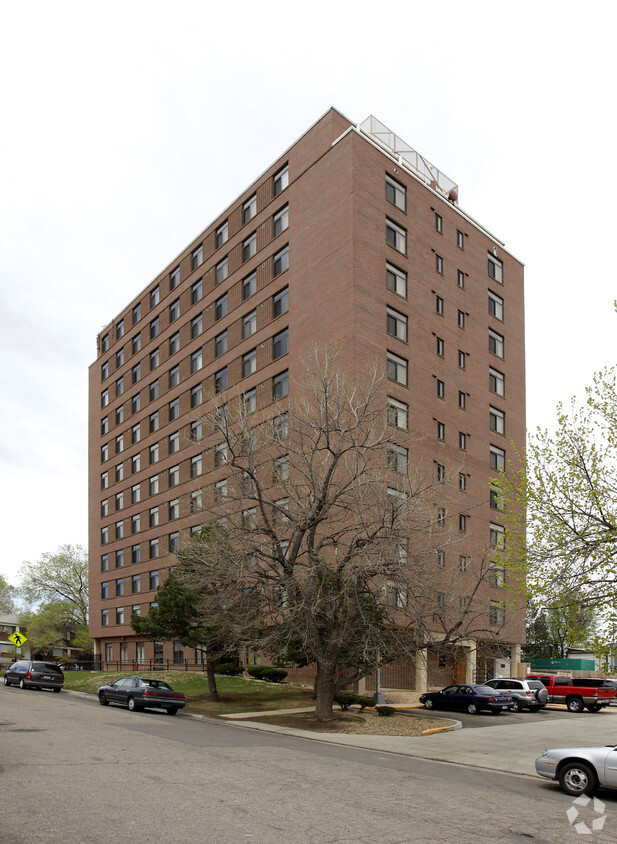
(484, 690)
(155, 684)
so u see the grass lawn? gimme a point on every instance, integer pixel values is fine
(236, 693)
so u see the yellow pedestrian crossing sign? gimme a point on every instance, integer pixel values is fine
(18, 639)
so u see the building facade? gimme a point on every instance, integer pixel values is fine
(349, 237)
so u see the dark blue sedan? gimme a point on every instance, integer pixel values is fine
(140, 693)
(469, 697)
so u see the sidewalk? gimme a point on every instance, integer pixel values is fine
(509, 748)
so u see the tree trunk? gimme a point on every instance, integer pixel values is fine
(210, 666)
(325, 687)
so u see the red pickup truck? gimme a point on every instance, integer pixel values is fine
(577, 692)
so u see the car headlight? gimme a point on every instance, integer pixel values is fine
(545, 753)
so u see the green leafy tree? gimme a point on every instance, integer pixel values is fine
(7, 597)
(52, 625)
(567, 486)
(552, 630)
(61, 577)
(198, 618)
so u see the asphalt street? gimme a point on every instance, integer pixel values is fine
(77, 773)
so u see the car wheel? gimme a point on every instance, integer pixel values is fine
(535, 708)
(516, 705)
(575, 704)
(172, 710)
(576, 778)
(22, 685)
(6, 681)
(132, 705)
(472, 709)
(594, 707)
(103, 699)
(496, 711)
(428, 704)
(57, 690)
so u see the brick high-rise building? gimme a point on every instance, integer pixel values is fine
(350, 236)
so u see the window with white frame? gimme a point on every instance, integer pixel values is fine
(249, 285)
(174, 376)
(495, 305)
(221, 270)
(222, 234)
(495, 268)
(249, 363)
(396, 368)
(220, 454)
(174, 476)
(398, 413)
(196, 465)
(460, 239)
(496, 420)
(197, 361)
(280, 344)
(280, 385)
(249, 247)
(497, 537)
(197, 326)
(396, 595)
(249, 324)
(460, 278)
(280, 221)
(397, 458)
(221, 307)
(495, 343)
(438, 223)
(249, 209)
(280, 470)
(220, 380)
(497, 458)
(174, 509)
(280, 302)
(220, 490)
(280, 262)
(249, 401)
(439, 263)
(396, 324)
(174, 442)
(220, 344)
(498, 613)
(396, 236)
(174, 343)
(174, 310)
(280, 180)
(496, 499)
(197, 291)
(396, 193)
(396, 280)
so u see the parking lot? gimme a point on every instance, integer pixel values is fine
(486, 719)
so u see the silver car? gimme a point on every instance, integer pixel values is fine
(580, 770)
(530, 694)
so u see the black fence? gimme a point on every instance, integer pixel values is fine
(136, 667)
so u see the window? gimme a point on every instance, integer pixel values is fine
(497, 613)
(280, 344)
(196, 501)
(197, 291)
(249, 324)
(120, 415)
(154, 549)
(196, 395)
(136, 584)
(280, 426)
(174, 476)
(174, 310)
(153, 422)
(105, 507)
(249, 209)
(104, 370)
(497, 578)
(495, 305)
(104, 480)
(496, 420)
(462, 441)
(196, 361)
(280, 262)
(119, 329)
(249, 285)
(220, 380)
(220, 490)
(441, 388)
(439, 344)
(220, 344)
(174, 376)
(280, 302)
(397, 458)
(280, 385)
(441, 431)
(495, 268)
(220, 307)
(154, 580)
(222, 270)
(196, 428)
(460, 278)
(174, 442)
(396, 595)
(153, 390)
(153, 485)
(196, 466)
(136, 494)
(497, 457)
(178, 653)
(174, 275)
(462, 482)
(280, 221)
(396, 368)
(396, 236)
(135, 523)
(439, 264)
(397, 413)
(462, 522)
(197, 326)
(155, 296)
(462, 400)
(135, 463)
(104, 398)
(461, 319)
(104, 535)
(462, 562)
(441, 516)
(174, 343)
(197, 257)
(119, 472)
(222, 234)
(174, 509)
(104, 562)
(104, 425)
(497, 537)
(154, 328)
(119, 501)
(105, 623)
(120, 530)
(154, 453)
(249, 363)
(440, 472)
(438, 223)
(438, 305)
(396, 280)
(136, 373)
(119, 558)
(154, 359)
(153, 517)
(396, 193)
(396, 324)
(462, 359)
(249, 518)
(120, 587)
(280, 470)
(496, 382)
(220, 454)
(280, 180)
(441, 558)
(249, 247)
(460, 240)
(174, 409)
(104, 453)
(120, 386)
(105, 343)
(136, 403)
(496, 498)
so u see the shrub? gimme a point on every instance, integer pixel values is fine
(267, 672)
(386, 711)
(345, 700)
(229, 669)
(363, 702)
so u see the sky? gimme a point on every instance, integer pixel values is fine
(126, 127)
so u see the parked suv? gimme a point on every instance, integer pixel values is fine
(530, 694)
(32, 674)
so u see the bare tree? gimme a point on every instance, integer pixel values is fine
(329, 526)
